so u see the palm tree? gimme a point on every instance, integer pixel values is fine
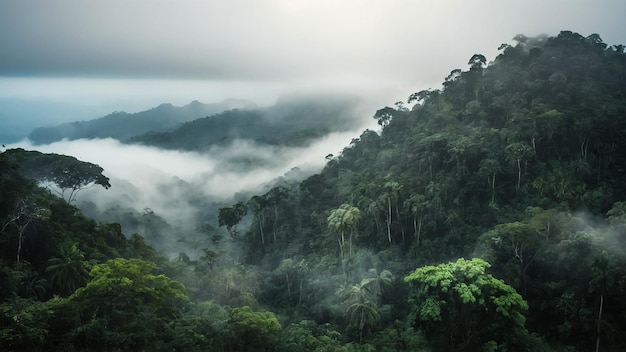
(377, 282)
(392, 190)
(341, 219)
(361, 310)
(68, 270)
(362, 313)
(417, 205)
(258, 205)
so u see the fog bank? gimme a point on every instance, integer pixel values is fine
(184, 189)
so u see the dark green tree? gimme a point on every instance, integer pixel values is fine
(121, 297)
(231, 216)
(67, 173)
(384, 115)
(68, 270)
(274, 197)
(258, 205)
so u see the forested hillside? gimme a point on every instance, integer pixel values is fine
(292, 121)
(489, 215)
(121, 125)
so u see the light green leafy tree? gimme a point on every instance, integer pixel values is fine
(460, 307)
(253, 330)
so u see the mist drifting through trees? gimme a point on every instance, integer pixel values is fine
(486, 215)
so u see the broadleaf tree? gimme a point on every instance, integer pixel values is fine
(460, 307)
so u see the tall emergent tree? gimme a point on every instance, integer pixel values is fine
(231, 216)
(460, 307)
(341, 219)
(67, 173)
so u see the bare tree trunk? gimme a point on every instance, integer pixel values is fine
(400, 220)
(350, 245)
(275, 221)
(493, 188)
(519, 173)
(340, 249)
(599, 322)
(389, 220)
(19, 245)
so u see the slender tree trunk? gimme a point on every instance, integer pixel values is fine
(350, 244)
(389, 220)
(377, 221)
(275, 221)
(599, 322)
(20, 238)
(400, 220)
(19, 244)
(340, 249)
(417, 228)
(493, 188)
(236, 249)
(430, 167)
(519, 173)
(361, 326)
(261, 229)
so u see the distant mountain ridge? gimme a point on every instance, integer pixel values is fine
(292, 121)
(122, 125)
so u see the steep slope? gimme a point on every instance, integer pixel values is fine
(519, 162)
(122, 125)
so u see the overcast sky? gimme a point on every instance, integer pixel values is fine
(65, 60)
(132, 55)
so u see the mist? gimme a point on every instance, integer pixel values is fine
(184, 190)
(121, 56)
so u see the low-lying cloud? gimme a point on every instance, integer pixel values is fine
(186, 188)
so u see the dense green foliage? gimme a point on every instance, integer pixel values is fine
(122, 125)
(517, 164)
(66, 174)
(460, 307)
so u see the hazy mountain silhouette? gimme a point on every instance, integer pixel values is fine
(122, 125)
(293, 120)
